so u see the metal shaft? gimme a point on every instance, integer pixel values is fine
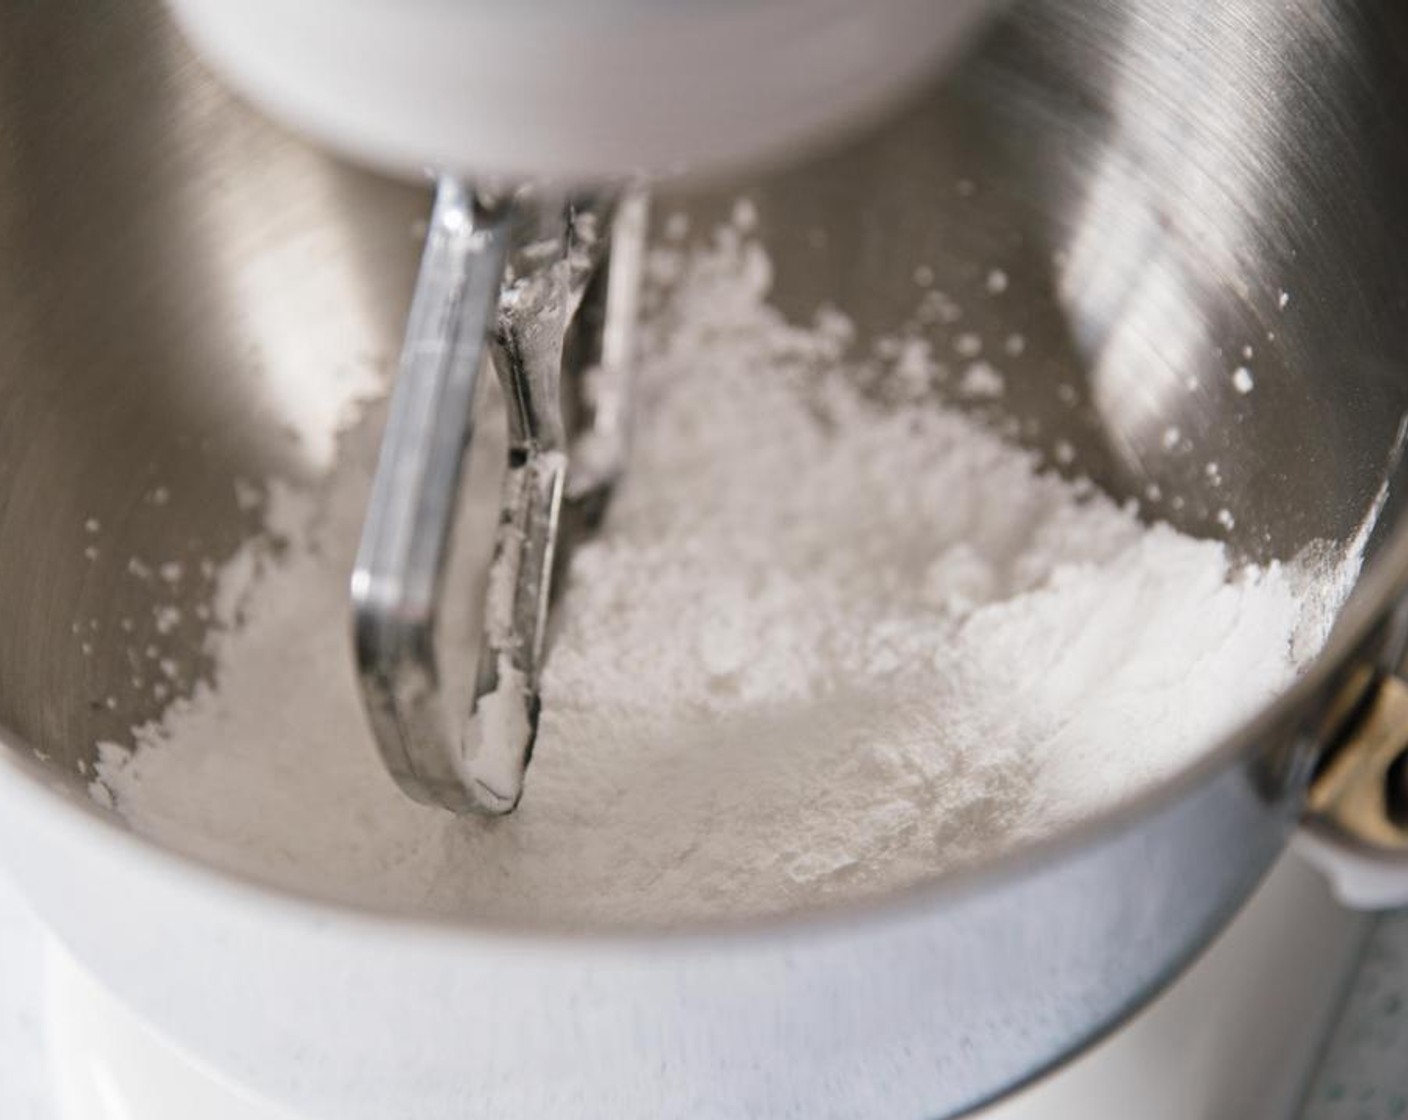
(508, 277)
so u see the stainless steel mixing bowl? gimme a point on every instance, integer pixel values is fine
(1163, 184)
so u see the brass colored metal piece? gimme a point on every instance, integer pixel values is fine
(1359, 791)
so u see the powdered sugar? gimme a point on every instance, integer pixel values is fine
(824, 648)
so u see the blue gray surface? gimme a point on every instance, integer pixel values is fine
(1364, 1075)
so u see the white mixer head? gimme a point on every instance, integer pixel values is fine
(568, 90)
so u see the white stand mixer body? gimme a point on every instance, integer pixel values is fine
(565, 90)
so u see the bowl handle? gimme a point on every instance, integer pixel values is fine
(1356, 824)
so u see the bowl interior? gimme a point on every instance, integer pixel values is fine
(193, 301)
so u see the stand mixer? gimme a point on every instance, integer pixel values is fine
(527, 103)
(157, 340)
